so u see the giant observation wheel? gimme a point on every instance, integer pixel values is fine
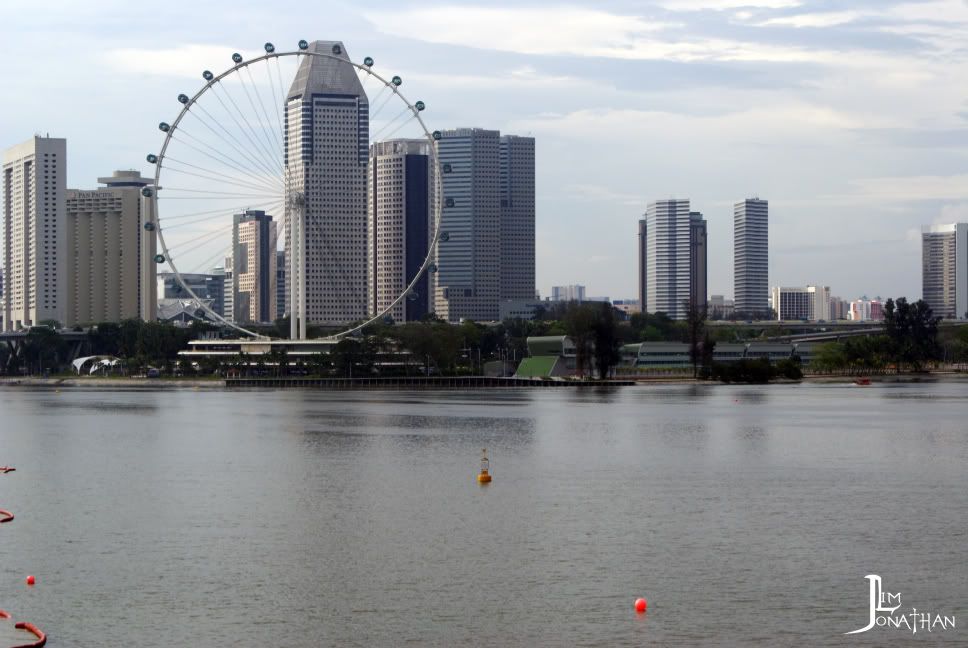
(225, 154)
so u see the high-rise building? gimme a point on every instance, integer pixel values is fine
(254, 269)
(104, 258)
(810, 303)
(751, 283)
(228, 297)
(281, 270)
(668, 257)
(326, 150)
(839, 308)
(207, 287)
(399, 227)
(468, 282)
(643, 274)
(791, 303)
(34, 233)
(863, 310)
(721, 308)
(944, 269)
(697, 262)
(572, 292)
(517, 217)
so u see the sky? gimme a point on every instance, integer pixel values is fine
(851, 118)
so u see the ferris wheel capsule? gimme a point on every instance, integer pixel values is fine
(237, 57)
(183, 98)
(149, 226)
(447, 167)
(420, 105)
(147, 192)
(208, 76)
(368, 62)
(159, 258)
(444, 236)
(152, 158)
(164, 127)
(437, 135)
(396, 81)
(303, 45)
(270, 48)
(449, 202)
(337, 50)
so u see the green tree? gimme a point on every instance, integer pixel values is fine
(608, 344)
(579, 323)
(913, 332)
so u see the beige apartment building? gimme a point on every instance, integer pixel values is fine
(110, 271)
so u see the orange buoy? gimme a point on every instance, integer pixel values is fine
(7, 516)
(484, 477)
(4, 614)
(640, 605)
(31, 580)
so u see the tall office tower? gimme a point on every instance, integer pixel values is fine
(326, 141)
(697, 261)
(228, 299)
(751, 281)
(839, 309)
(254, 269)
(944, 269)
(668, 257)
(399, 227)
(517, 217)
(469, 275)
(643, 274)
(34, 236)
(281, 270)
(104, 259)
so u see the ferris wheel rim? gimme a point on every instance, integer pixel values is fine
(393, 85)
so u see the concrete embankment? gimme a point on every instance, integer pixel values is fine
(419, 382)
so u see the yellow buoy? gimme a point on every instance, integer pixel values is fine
(485, 476)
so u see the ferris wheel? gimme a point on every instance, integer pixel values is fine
(229, 154)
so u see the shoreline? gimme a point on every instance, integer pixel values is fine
(152, 384)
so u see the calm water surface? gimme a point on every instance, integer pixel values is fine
(746, 515)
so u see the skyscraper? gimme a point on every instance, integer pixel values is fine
(944, 269)
(399, 227)
(104, 251)
(697, 262)
(281, 270)
(751, 282)
(326, 142)
(668, 252)
(643, 273)
(517, 217)
(34, 233)
(469, 276)
(254, 267)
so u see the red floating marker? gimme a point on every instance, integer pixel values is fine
(640, 605)
(31, 580)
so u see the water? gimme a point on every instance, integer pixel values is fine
(746, 515)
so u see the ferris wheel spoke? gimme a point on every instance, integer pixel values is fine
(208, 194)
(256, 175)
(264, 141)
(246, 130)
(231, 140)
(206, 264)
(393, 121)
(222, 213)
(269, 130)
(400, 127)
(263, 183)
(218, 155)
(245, 185)
(219, 212)
(272, 82)
(200, 241)
(374, 114)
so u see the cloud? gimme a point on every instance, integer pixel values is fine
(913, 188)
(577, 32)
(823, 19)
(722, 5)
(186, 61)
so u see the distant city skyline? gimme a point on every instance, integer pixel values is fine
(850, 121)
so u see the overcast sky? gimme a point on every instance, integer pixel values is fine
(851, 118)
